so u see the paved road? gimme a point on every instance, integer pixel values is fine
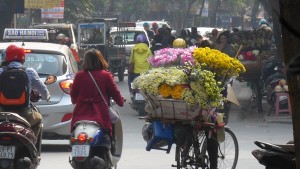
(247, 125)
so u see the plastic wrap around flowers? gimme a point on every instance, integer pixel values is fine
(172, 56)
(189, 83)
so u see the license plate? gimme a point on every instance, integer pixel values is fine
(7, 152)
(80, 150)
(138, 96)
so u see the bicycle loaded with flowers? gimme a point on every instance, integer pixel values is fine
(184, 85)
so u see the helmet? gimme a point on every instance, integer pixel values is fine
(146, 24)
(52, 30)
(154, 25)
(15, 53)
(60, 36)
(141, 38)
(262, 21)
(179, 43)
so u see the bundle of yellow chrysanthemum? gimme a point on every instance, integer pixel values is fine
(189, 83)
(219, 63)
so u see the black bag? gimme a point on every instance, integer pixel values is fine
(14, 89)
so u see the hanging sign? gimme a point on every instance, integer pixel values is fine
(38, 4)
(56, 12)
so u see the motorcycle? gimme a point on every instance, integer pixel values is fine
(19, 147)
(93, 148)
(138, 102)
(272, 74)
(275, 156)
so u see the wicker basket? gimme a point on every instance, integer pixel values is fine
(170, 109)
(253, 70)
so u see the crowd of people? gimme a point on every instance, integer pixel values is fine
(89, 105)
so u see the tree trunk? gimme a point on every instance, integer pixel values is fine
(277, 28)
(186, 15)
(289, 11)
(254, 12)
(214, 14)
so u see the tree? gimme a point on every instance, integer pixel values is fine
(77, 9)
(289, 13)
(7, 10)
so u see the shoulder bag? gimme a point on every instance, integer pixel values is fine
(131, 64)
(113, 114)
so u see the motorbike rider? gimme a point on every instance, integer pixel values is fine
(139, 55)
(195, 37)
(60, 38)
(89, 105)
(15, 58)
(154, 28)
(52, 35)
(150, 33)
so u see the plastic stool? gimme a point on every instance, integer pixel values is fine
(277, 108)
(161, 134)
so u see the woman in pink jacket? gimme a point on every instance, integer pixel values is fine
(84, 93)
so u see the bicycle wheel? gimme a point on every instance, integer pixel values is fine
(228, 151)
(189, 155)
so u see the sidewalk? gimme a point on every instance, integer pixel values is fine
(247, 112)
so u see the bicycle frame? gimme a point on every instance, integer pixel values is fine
(196, 155)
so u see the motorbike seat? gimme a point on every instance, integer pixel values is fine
(277, 76)
(287, 147)
(10, 116)
(270, 146)
(86, 121)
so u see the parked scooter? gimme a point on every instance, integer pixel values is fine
(275, 156)
(138, 102)
(93, 148)
(272, 73)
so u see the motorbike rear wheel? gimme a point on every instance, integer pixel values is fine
(121, 71)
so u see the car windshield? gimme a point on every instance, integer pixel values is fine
(45, 64)
(92, 34)
(129, 37)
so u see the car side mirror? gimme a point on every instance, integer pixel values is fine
(50, 80)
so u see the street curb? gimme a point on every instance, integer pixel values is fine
(279, 119)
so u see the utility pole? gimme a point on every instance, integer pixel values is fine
(289, 13)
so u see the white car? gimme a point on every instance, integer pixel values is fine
(128, 35)
(51, 59)
(206, 31)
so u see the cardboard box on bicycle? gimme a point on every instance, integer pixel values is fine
(170, 109)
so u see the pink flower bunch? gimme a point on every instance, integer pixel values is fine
(172, 57)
